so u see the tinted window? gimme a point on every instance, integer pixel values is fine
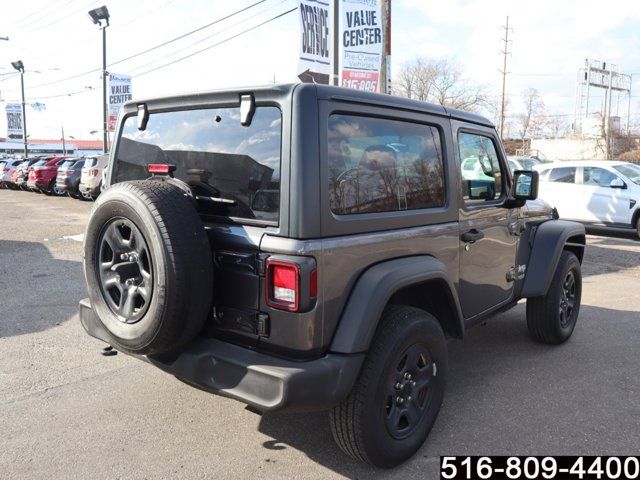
(90, 161)
(563, 175)
(480, 168)
(213, 153)
(378, 165)
(68, 163)
(39, 163)
(597, 176)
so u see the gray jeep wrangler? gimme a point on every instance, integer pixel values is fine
(313, 247)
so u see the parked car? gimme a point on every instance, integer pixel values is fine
(595, 192)
(7, 171)
(339, 293)
(21, 172)
(91, 177)
(68, 178)
(42, 175)
(524, 163)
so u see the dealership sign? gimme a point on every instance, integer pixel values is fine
(315, 39)
(360, 44)
(14, 121)
(119, 93)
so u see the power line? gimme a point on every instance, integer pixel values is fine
(218, 43)
(63, 17)
(189, 33)
(214, 34)
(54, 82)
(37, 13)
(179, 59)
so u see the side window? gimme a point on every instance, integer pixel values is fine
(563, 175)
(380, 165)
(480, 168)
(597, 176)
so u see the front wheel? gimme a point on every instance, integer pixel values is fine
(394, 404)
(552, 318)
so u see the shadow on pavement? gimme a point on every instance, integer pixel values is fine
(507, 394)
(51, 286)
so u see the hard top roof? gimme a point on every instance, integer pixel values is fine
(325, 92)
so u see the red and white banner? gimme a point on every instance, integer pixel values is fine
(361, 44)
(119, 94)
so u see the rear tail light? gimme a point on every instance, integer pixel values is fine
(94, 172)
(283, 285)
(69, 171)
(5, 169)
(160, 169)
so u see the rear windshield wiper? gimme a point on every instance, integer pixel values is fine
(225, 201)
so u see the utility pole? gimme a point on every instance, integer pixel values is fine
(335, 47)
(505, 53)
(64, 147)
(385, 67)
(608, 115)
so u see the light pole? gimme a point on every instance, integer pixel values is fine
(97, 15)
(19, 66)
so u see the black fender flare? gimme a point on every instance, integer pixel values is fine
(372, 292)
(550, 240)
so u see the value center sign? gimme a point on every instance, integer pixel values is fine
(119, 93)
(360, 44)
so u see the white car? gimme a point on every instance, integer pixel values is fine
(596, 192)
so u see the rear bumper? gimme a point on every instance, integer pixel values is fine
(262, 381)
(67, 184)
(93, 190)
(39, 184)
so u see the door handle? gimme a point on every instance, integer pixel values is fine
(472, 236)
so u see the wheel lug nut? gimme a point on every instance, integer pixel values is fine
(399, 400)
(397, 386)
(409, 398)
(407, 376)
(413, 384)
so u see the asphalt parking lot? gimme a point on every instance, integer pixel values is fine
(68, 412)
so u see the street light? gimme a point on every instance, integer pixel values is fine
(97, 15)
(19, 66)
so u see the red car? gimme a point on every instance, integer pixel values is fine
(42, 175)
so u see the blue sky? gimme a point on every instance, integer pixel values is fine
(55, 37)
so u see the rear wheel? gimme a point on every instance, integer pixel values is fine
(552, 318)
(387, 416)
(58, 192)
(148, 267)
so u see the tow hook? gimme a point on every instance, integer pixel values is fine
(108, 351)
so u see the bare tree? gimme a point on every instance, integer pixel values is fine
(533, 118)
(439, 81)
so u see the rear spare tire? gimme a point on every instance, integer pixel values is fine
(148, 267)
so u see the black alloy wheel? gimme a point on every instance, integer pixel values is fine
(126, 270)
(409, 393)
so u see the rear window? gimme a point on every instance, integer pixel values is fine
(39, 163)
(214, 154)
(90, 161)
(68, 163)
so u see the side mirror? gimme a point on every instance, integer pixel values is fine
(618, 183)
(525, 184)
